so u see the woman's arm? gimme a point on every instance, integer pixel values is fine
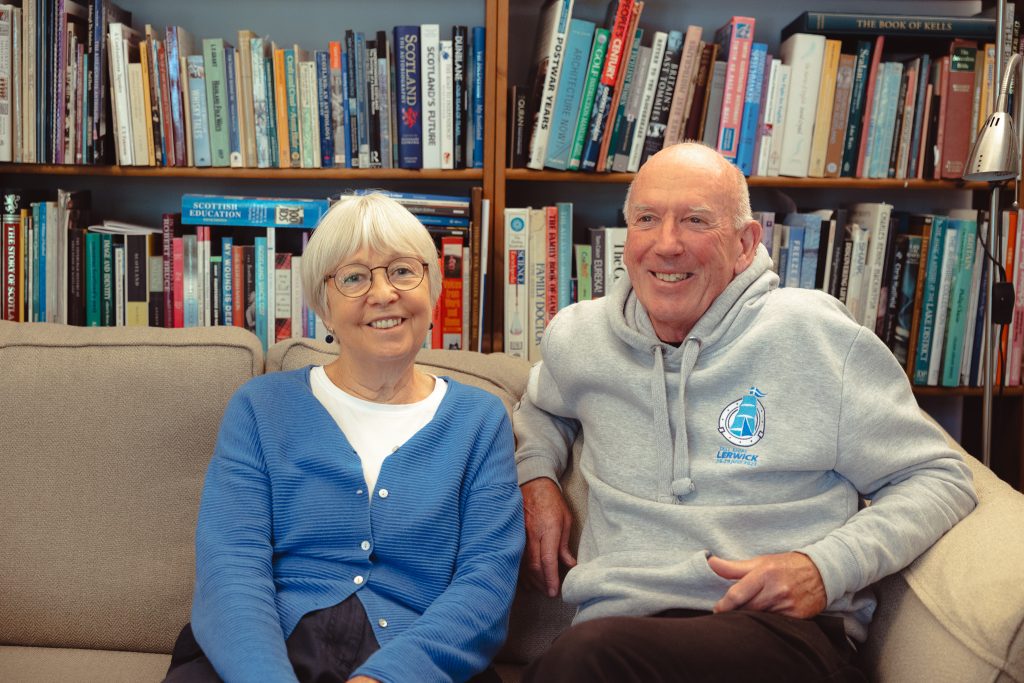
(234, 616)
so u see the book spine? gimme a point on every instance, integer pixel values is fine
(460, 92)
(933, 266)
(570, 90)
(956, 318)
(734, 40)
(260, 288)
(804, 53)
(650, 88)
(197, 99)
(516, 245)
(337, 98)
(479, 43)
(957, 106)
(260, 110)
(751, 109)
(291, 81)
(385, 77)
(629, 105)
(597, 55)
(348, 60)
(826, 98)
(308, 115)
(563, 212)
(227, 293)
(658, 122)
(682, 95)
(452, 292)
(445, 103)
(372, 103)
(848, 23)
(93, 278)
(282, 296)
(281, 121)
(597, 268)
(251, 211)
(552, 36)
(216, 101)
(851, 142)
(430, 91)
(167, 224)
(231, 84)
(609, 74)
(176, 82)
(326, 115)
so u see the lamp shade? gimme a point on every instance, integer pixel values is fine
(994, 156)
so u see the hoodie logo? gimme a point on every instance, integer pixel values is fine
(742, 422)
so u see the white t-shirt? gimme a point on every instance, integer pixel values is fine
(375, 430)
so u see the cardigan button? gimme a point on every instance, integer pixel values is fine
(365, 545)
(383, 493)
(358, 580)
(383, 622)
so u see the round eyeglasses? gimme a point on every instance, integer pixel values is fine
(354, 280)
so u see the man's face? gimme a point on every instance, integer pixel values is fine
(682, 247)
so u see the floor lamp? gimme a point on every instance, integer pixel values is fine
(995, 158)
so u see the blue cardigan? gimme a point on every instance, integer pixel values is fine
(285, 528)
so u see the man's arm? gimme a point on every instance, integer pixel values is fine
(543, 443)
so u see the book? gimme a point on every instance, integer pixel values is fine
(662, 103)
(597, 286)
(445, 105)
(199, 116)
(804, 53)
(593, 77)
(537, 279)
(826, 97)
(583, 256)
(430, 64)
(546, 69)
(216, 101)
(851, 141)
(956, 317)
(734, 42)
(325, 113)
(682, 95)
(929, 296)
(856, 24)
(570, 93)
(650, 85)
(957, 108)
(840, 114)
(478, 46)
(407, 95)
(203, 209)
(618, 20)
(752, 108)
(515, 285)
(633, 85)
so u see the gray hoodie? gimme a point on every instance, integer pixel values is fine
(761, 433)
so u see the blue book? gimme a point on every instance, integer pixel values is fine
(203, 209)
(460, 93)
(564, 254)
(811, 225)
(260, 269)
(349, 59)
(570, 93)
(956, 319)
(197, 105)
(93, 268)
(227, 293)
(794, 255)
(933, 272)
(478, 45)
(751, 109)
(323, 90)
(414, 196)
(407, 96)
(450, 221)
(190, 281)
(234, 135)
(39, 291)
(291, 88)
(362, 101)
(882, 130)
(598, 122)
(345, 113)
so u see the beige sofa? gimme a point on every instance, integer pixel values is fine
(104, 439)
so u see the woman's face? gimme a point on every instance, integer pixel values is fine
(384, 325)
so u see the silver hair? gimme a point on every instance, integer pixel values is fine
(743, 212)
(373, 221)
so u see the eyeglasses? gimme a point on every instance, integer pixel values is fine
(355, 279)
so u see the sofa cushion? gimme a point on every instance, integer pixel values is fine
(502, 375)
(106, 438)
(57, 665)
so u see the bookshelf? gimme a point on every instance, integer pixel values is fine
(141, 194)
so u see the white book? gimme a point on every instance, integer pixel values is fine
(614, 247)
(54, 249)
(778, 114)
(485, 231)
(298, 318)
(6, 76)
(203, 277)
(804, 53)
(950, 247)
(260, 101)
(859, 235)
(386, 119)
(446, 107)
(536, 279)
(516, 246)
(875, 217)
(972, 307)
(17, 75)
(309, 115)
(140, 115)
(120, 285)
(430, 39)
(682, 95)
(771, 105)
(238, 157)
(465, 298)
(547, 64)
(120, 105)
(28, 81)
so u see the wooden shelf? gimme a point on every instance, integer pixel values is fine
(527, 175)
(997, 392)
(471, 174)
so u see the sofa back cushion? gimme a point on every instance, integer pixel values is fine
(106, 437)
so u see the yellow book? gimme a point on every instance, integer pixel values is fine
(284, 154)
(823, 120)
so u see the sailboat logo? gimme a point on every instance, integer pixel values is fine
(742, 421)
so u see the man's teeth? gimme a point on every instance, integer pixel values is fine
(385, 324)
(672, 277)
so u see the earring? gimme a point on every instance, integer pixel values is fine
(430, 326)
(329, 338)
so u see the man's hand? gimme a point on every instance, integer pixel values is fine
(548, 521)
(786, 583)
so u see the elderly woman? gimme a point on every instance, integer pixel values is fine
(360, 520)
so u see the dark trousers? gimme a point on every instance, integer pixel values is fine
(689, 645)
(326, 647)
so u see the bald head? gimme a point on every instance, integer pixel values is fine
(700, 158)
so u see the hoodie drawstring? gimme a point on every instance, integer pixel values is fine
(677, 466)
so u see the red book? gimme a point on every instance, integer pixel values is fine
(956, 104)
(869, 99)
(734, 43)
(551, 263)
(940, 128)
(178, 280)
(451, 292)
(282, 296)
(238, 286)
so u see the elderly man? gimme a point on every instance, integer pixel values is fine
(732, 430)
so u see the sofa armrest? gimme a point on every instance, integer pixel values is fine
(957, 612)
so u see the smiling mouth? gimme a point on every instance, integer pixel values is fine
(672, 277)
(386, 324)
